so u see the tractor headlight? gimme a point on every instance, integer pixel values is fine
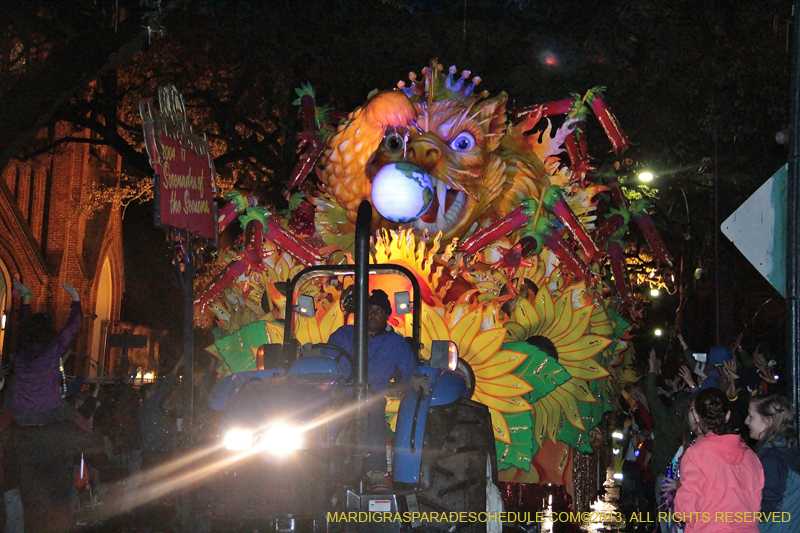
(238, 440)
(280, 439)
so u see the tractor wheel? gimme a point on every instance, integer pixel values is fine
(458, 473)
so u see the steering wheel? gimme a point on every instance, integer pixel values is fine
(341, 352)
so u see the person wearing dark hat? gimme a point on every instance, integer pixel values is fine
(389, 356)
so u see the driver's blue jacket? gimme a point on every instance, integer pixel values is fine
(389, 356)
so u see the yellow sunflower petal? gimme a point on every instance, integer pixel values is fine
(588, 370)
(501, 364)
(433, 325)
(308, 330)
(584, 348)
(506, 405)
(331, 321)
(601, 323)
(516, 332)
(500, 426)
(568, 406)
(562, 316)
(544, 308)
(466, 328)
(504, 386)
(525, 315)
(275, 333)
(579, 389)
(485, 345)
(577, 327)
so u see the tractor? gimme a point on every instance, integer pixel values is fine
(292, 434)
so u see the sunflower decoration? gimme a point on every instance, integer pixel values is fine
(495, 384)
(561, 350)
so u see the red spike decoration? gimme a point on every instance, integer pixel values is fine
(645, 223)
(291, 243)
(576, 266)
(619, 141)
(617, 260)
(607, 228)
(311, 143)
(653, 237)
(565, 215)
(510, 223)
(242, 264)
(236, 205)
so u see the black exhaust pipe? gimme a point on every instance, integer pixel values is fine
(361, 288)
(363, 229)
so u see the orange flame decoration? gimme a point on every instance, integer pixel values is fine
(547, 349)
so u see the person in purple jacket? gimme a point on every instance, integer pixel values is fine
(37, 398)
(46, 439)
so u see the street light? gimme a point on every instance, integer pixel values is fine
(655, 293)
(658, 332)
(646, 176)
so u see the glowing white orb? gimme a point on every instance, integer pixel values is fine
(402, 192)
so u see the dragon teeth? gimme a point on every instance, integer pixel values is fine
(444, 220)
(441, 194)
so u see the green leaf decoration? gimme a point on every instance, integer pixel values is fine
(603, 404)
(238, 349)
(541, 371)
(591, 414)
(296, 199)
(255, 213)
(575, 438)
(305, 89)
(640, 207)
(620, 324)
(522, 448)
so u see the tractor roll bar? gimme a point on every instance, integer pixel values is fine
(326, 271)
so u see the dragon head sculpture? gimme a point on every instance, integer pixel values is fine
(447, 131)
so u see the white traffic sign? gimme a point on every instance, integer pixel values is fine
(758, 229)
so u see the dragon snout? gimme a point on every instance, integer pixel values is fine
(424, 153)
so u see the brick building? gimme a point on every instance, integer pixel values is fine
(44, 241)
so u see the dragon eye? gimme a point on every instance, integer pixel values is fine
(394, 142)
(465, 141)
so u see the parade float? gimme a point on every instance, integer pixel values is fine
(517, 236)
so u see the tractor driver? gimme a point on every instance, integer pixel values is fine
(389, 356)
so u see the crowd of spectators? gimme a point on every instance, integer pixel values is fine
(713, 448)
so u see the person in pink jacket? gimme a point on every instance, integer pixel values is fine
(721, 478)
